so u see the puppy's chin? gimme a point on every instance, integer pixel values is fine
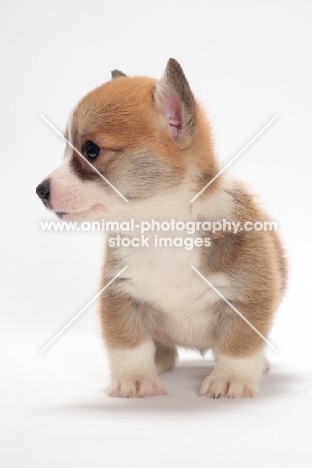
(94, 213)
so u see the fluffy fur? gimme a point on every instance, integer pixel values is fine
(156, 149)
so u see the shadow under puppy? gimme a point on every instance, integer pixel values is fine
(150, 139)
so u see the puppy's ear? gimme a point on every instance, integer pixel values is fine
(116, 73)
(176, 102)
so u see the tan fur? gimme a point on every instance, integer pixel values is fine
(255, 263)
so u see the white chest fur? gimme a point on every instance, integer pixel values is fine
(164, 278)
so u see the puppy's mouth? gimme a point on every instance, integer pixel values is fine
(60, 214)
(77, 214)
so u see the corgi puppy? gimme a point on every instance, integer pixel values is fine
(142, 149)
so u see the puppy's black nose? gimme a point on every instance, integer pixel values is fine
(43, 190)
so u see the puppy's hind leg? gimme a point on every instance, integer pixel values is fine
(266, 365)
(165, 357)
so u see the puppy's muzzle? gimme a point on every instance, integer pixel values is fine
(43, 191)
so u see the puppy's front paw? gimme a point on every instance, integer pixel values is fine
(214, 386)
(136, 388)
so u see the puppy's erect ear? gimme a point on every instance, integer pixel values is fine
(175, 99)
(116, 73)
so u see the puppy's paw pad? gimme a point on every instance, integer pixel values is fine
(217, 387)
(137, 388)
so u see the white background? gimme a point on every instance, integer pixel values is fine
(246, 61)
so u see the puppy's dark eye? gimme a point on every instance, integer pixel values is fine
(91, 150)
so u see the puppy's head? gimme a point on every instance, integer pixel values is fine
(132, 143)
